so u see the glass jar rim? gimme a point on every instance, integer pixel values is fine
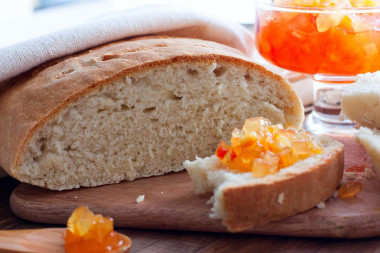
(270, 5)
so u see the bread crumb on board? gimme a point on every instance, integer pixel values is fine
(321, 205)
(280, 198)
(367, 173)
(140, 198)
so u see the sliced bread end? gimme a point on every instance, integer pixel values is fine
(243, 201)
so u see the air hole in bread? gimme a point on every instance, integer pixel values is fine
(142, 81)
(193, 72)
(68, 148)
(149, 110)
(125, 107)
(174, 96)
(248, 78)
(100, 110)
(43, 146)
(219, 71)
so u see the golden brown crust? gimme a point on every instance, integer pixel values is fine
(255, 205)
(27, 102)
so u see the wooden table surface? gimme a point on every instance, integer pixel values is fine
(175, 241)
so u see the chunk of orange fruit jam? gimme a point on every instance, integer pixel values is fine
(89, 232)
(349, 189)
(264, 149)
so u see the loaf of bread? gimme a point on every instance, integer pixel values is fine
(243, 201)
(361, 104)
(132, 109)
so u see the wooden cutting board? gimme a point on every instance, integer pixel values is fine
(170, 203)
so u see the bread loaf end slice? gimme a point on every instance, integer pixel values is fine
(243, 201)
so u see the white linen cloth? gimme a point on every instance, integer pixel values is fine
(154, 19)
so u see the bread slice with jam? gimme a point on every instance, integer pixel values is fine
(244, 199)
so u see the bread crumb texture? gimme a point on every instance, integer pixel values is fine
(140, 199)
(321, 205)
(148, 123)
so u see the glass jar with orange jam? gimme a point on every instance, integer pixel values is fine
(326, 38)
(330, 40)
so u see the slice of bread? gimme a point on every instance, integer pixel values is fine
(133, 109)
(361, 104)
(361, 100)
(243, 201)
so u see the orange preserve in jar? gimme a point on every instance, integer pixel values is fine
(340, 37)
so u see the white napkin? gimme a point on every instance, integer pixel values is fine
(154, 19)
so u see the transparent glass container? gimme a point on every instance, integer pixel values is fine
(331, 45)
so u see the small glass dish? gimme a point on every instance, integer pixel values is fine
(330, 44)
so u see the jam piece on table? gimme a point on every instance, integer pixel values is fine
(356, 168)
(349, 189)
(263, 149)
(88, 232)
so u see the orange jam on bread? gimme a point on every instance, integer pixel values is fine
(263, 148)
(89, 232)
(324, 42)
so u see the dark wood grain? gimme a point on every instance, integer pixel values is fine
(176, 241)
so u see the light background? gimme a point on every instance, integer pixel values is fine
(19, 21)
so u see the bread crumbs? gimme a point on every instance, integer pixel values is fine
(140, 198)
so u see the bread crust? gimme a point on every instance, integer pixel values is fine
(30, 100)
(254, 205)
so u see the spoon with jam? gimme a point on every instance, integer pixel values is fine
(86, 232)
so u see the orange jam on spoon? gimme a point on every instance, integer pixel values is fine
(89, 232)
(263, 148)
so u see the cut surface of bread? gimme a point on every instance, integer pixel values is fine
(243, 201)
(370, 139)
(361, 100)
(133, 109)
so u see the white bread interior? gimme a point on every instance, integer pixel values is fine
(210, 174)
(148, 123)
(370, 139)
(361, 100)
